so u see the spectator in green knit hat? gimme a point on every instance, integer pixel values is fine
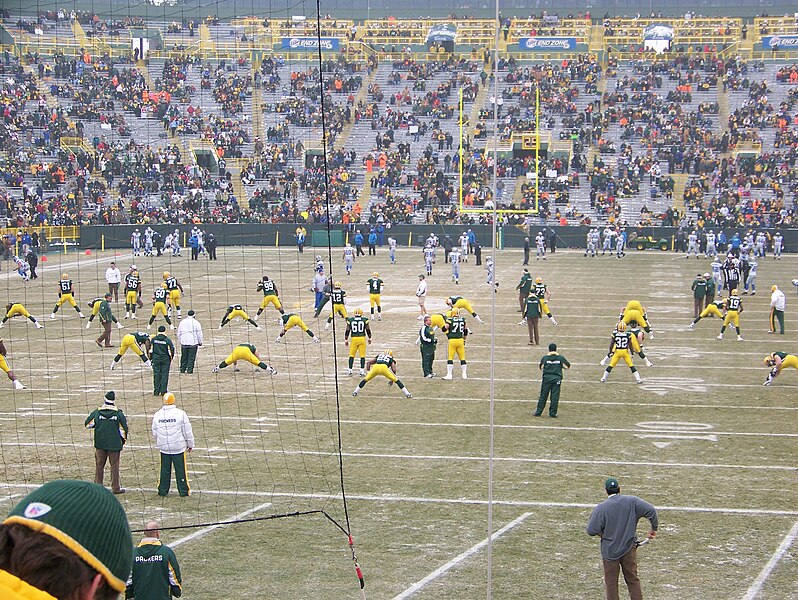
(68, 540)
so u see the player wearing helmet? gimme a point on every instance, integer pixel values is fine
(337, 296)
(246, 352)
(543, 295)
(65, 295)
(778, 361)
(716, 308)
(133, 341)
(622, 341)
(375, 289)
(159, 298)
(290, 320)
(734, 306)
(17, 309)
(175, 289)
(236, 310)
(460, 302)
(270, 296)
(635, 330)
(457, 332)
(132, 291)
(348, 258)
(383, 364)
(357, 327)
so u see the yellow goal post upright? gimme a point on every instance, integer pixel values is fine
(529, 140)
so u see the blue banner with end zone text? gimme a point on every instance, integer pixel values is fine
(546, 44)
(779, 41)
(307, 44)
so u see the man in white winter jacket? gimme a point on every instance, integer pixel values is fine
(174, 437)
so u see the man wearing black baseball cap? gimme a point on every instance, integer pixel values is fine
(615, 521)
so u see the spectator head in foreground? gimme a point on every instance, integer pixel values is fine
(68, 540)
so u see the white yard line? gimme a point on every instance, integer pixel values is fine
(763, 576)
(437, 457)
(459, 558)
(207, 530)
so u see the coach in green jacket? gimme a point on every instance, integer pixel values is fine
(551, 365)
(163, 351)
(155, 574)
(110, 434)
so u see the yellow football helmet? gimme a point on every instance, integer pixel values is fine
(621, 326)
(375, 274)
(538, 280)
(389, 353)
(337, 284)
(64, 276)
(769, 361)
(166, 274)
(358, 312)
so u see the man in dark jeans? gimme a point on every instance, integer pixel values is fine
(615, 521)
(427, 342)
(33, 262)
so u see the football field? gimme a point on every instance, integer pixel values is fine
(701, 438)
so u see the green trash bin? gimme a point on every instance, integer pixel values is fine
(321, 238)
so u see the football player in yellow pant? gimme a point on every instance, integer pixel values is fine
(357, 328)
(634, 311)
(778, 361)
(716, 308)
(236, 310)
(270, 296)
(66, 296)
(460, 302)
(734, 306)
(289, 321)
(636, 333)
(385, 365)
(133, 341)
(246, 352)
(16, 309)
(622, 341)
(375, 289)
(457, 332)
(6, 369)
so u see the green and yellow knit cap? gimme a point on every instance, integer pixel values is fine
(87, 519)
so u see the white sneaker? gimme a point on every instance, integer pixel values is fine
(134, 317)
(81, 315)
(148, 364)
(88, 325)
(465, 376)
(522, 322)
(18, 385)
(603, 380)
(220, 326)
(256, 316)
(554, 321)
(316, 340)
(355, 393)
(277, 341)
(740, 338)
(446, 376)
(258, 328)
(271, 370)
(639, 381)
(768, 382)
(604, 361)
(651, 335)
(172, 327)
(349, 372)
(362, 372)
(419, 317)
(408, 394)
(149, 327)
(52, 315)
(215, 370)
(326, 326)
(720, 336)
(119, 325)
(379, 317)
(691, 326)
(38, 325)
(113, 365)
(649, 363)
(479, 320)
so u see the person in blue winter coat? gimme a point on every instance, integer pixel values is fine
(372, 243)
(359, 244)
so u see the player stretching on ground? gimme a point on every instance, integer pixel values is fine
(716, 308)
(778, 361)
(133, 341)
(622, 340)
(460, 302)
(16, 309)
(457, 332)
(634, 311)
(246, 352)
(375, 289)
(65, 295)
(358, 328)
(337, 296)
(6, 369)
(290, 321)
(270, 296)
(236, 310)
(385, 365)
